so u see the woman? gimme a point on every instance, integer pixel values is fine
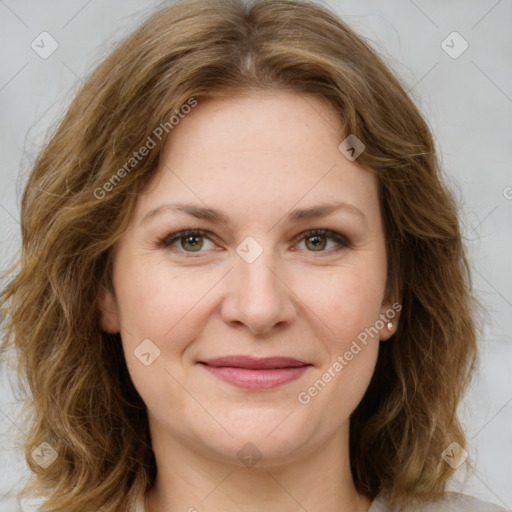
(242, 283)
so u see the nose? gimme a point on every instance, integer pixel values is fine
(258, 295)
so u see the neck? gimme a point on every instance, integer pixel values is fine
(317, 481)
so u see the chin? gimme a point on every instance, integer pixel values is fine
(262, 452)
(260, 439)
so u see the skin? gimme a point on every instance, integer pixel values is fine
(256, 158)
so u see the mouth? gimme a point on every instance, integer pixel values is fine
(257, 374)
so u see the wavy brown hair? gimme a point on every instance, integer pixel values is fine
(80, 397)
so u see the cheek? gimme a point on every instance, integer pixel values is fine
(156, 301)
(347, 300)
(346, 306)
(163, 305)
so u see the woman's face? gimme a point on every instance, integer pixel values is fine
(253, 284)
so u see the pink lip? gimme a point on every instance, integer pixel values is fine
(257, 374)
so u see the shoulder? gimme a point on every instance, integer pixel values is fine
(461, 502)
(451, 502)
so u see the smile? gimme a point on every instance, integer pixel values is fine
(256, 374)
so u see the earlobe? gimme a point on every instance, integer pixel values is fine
(388, 330)
(389, 316)
(108, 316)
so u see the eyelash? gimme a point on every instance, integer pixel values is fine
(166, 241)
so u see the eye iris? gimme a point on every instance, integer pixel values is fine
(317, 245)
(195, 245)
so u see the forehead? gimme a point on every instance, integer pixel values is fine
(261, 150)
(263, 121)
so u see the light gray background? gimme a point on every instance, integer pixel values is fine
(467, 101)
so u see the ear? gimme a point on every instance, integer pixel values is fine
(108, 315)
(390, 316)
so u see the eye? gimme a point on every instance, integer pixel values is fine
(193, 240)
(190, 240)
(316, 239)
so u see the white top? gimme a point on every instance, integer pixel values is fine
(453, 502)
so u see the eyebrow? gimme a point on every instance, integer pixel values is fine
(219, 217)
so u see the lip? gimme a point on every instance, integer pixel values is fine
(255, 363)
(256, 373)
